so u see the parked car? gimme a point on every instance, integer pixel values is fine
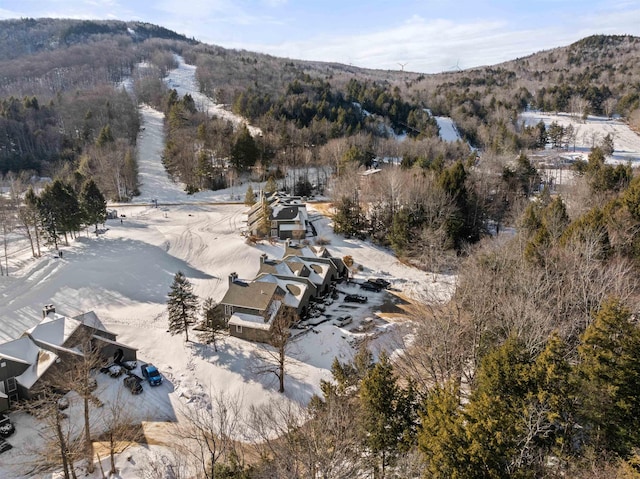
(151, 374)
(4, 445)
(6, 426)
(342, 321)
(133, 383)
(368, 286)
(112, 370)
(355, 298)
(383, 283)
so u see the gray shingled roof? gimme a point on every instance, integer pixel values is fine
(250, 295)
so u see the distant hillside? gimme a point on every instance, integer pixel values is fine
(29, 36)
(596, 75)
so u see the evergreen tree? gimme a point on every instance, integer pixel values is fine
(271, 186)
(213, 323)
(442, 436)
(610, 378)
(387, 414)
(182, 305)
(105, 136)
(244, 151)
(264, 227)
(250, 197)
(92, 204)
(59, 211)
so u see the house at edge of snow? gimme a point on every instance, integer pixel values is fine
(303, 274)
(288, 217)
(27, 362)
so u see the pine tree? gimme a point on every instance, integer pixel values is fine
(610, 378)
(244, 151)
(264, 227)
(442, 436)
(182, 305)
(92, 204)
(250, 197)
(270, 186)
(385, 419)
(212, 323)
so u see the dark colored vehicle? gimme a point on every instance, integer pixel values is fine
(4, 446)
(6, 427)
(133, 383)
(368, 286)
(355, 298)
(382, 283)
(151, 374)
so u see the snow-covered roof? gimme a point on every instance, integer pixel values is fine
(249, 321)
(54, 329)
(255, 321)
(295, 290)
(21, 350)
(109, 341)
(318, 271)
(25, 351)
(91, 319)
(43, 361)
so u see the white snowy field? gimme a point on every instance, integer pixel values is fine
(125, 273)
(448, 130)
(590, 132)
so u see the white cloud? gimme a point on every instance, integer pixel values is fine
(436, 45)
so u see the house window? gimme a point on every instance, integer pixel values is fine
(228, 310)
(11, 384)
(238, 329)
(3, 364)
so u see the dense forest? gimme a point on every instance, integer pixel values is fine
(529, 371)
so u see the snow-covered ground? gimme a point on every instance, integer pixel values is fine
(125, 273)
(183, 80)
(590, 132)
(448, 130)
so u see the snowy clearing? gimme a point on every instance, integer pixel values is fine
(590, 132)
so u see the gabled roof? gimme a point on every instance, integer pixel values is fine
(21, 350)
(91, 319)
(295, 290)
(317, 271)
(298, 268)
(24, 350)
(250, 295)
(54, 330)
(35, 371)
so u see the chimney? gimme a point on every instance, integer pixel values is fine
(287, 242)
(48, 308)
(232, 278)
(263, 258)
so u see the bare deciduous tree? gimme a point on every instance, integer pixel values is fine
(210, 431)
(273, 358)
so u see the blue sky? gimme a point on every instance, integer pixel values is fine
(426, 35)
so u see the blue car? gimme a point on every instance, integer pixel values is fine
(151, 374)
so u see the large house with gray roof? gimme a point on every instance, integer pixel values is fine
(288, 217)
(292, 282)
(26, 363)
